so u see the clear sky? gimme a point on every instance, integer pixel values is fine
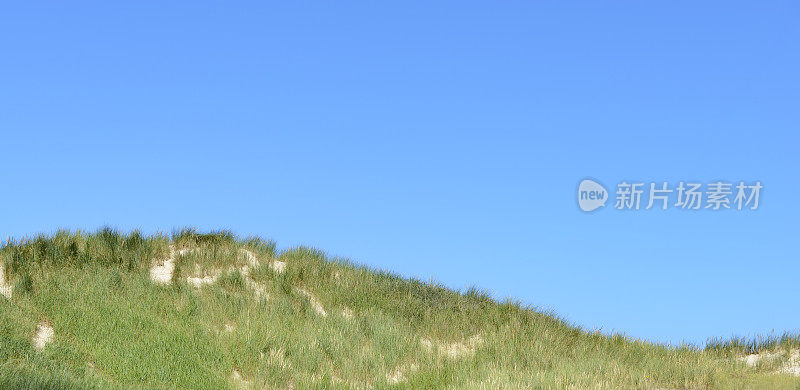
(438, 140)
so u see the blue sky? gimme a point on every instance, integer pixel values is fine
(438, 140)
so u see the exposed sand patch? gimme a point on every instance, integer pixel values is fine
(162, 273)
(6, 289)
(187, 250)
(44, 335)
(251, 257)
(252, 261)
(791, 366)
(239, 380)
(314, 302)
(453, 350)
(753, 359)
(259, 290)
(278, 266)
(198, 282)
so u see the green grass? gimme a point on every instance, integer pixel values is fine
(114, 328)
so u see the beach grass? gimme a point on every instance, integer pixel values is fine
(297, 318)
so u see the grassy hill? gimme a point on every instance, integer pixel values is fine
(191, 310)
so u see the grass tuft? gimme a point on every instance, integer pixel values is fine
(24, 285)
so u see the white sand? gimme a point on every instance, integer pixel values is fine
(251, 257)
(198, 282)
(162, 273)
(5, 289)
(44, 335)
(453, 350)
(279, 266)
(239, 381)
(259, 290)
(791, 366)
(314, 302)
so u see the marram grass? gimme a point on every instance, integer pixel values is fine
(318, 322)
